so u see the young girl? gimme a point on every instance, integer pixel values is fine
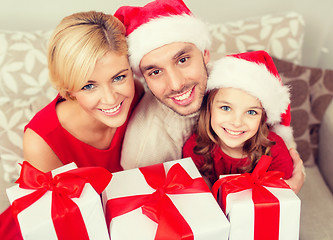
(245, 101)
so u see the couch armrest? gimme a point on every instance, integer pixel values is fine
(325, 158)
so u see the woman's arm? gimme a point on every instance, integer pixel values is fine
(37, 152)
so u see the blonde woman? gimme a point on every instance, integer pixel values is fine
(86, 122)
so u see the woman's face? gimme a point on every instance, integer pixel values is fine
(235, 118)
(109, 92)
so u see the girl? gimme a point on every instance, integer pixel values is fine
(245, 101)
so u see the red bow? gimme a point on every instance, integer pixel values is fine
(158, 206)
(267, 207)
(66, 215)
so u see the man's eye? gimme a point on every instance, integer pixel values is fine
(225, 108)
(155, 72)
(88, 87)
(252, 112)
(183, 60)
(119, 78)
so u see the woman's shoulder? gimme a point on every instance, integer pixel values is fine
(46, 117)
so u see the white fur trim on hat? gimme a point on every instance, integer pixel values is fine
(164, 30)
(255, 79)
(286, 133)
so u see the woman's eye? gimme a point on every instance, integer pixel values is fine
(88, 87)
(225, 108)
(252, 112)
(119, 78)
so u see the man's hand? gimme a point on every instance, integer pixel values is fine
(298, 176)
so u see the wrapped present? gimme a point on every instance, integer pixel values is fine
(62, 204)
(163, 201)
(259, 205)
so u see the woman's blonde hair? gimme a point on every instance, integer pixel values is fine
(77, 43)
(207, 139)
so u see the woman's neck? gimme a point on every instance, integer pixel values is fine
(83, 126)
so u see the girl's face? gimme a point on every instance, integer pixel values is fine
(109, 92)
(235, 118)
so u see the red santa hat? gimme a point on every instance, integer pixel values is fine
(255, 73)
(159, 23)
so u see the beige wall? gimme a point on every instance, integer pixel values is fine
(318, 43)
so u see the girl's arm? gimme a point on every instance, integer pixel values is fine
(37, 152)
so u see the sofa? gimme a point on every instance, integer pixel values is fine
(25, 89)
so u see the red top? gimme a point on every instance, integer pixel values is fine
(68, 149)
(224, 164)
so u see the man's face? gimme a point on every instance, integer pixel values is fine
(176, 74)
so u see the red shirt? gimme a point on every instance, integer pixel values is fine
(224, 164)
(70, 149)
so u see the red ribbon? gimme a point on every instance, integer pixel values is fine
(266, 205)
(66, 215)
(158, 206)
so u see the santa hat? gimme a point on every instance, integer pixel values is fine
(159, 23)
(255, 73)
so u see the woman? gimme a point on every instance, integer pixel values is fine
(85, 123)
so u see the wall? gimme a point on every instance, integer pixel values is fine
(318, 42)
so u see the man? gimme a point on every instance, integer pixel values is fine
(169, 48)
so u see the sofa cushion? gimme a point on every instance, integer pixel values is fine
(311, 93)
(280, 34)
(24, 90)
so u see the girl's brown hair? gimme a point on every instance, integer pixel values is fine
(207, 139)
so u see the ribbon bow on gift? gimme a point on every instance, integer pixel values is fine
(158, 206)
(267, 207)
(66, 215)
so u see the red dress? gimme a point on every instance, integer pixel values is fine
(224, 164)
(68, 149)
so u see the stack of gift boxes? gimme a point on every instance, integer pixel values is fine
(163, 201)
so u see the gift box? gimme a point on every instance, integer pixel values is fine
(61, 204)
(259, 205)
(163, 201)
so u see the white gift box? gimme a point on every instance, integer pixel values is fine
(200, 210)
(36, 221)
(240, 210)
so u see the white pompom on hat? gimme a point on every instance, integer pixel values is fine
(255, 73)
(159, 23)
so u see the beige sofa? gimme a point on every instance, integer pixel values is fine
(25, 89)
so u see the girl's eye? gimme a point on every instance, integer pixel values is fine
(225, 108)
(88, 87)
(155, 72)
(119, 78)
(252, 112)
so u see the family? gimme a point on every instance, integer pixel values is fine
(223, 115)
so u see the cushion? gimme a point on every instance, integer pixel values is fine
(311, 93)
(279, 34)
(24, 90)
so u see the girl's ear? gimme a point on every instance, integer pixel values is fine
(206, 56)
